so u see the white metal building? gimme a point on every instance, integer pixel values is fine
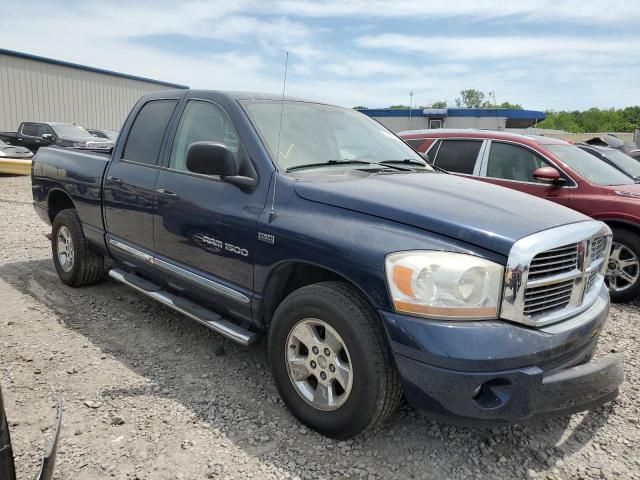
(35, 88)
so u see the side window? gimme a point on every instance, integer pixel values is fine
(458, 155)
(513, 162)
(202, 121)
(42, 129)
(147, 131)
(416, 143)
(29, 129)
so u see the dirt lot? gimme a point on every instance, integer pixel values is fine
(151, 395)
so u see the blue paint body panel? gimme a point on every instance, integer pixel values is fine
(345, 223)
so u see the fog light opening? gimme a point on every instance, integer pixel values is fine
(493, 394)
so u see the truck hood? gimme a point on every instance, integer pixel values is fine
(471, 211)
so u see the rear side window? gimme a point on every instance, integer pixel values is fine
(415, 143)
(147, 131)
(458, 155)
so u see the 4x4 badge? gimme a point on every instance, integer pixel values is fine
(266, 237)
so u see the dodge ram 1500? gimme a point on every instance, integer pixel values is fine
(373, 275)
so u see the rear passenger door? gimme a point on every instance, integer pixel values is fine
(129, 184)
(459, 156)
(512, 166)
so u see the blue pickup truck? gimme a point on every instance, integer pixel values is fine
(374, 276)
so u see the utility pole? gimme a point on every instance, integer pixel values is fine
(410, 105)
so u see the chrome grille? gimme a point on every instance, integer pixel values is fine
(539, 300)
(555, 274)
(554, 262)
(598, 248)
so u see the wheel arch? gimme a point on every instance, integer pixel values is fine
(291, 275)
(58, 200)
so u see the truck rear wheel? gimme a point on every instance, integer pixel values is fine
(623, 269)
(76, 262)
(331, 362)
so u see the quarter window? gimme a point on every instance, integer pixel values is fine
(513, 162)
(458, 156)
(145, 137)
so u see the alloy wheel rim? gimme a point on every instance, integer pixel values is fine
(65, 249)
(623, 268)
(318, 364)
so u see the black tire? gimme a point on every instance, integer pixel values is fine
(376, 389)
(86, 266)
(631, 241)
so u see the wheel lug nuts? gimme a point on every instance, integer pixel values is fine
(323, 375)
(327, 352)
(313, 364)
(315, 350)
(332, 368)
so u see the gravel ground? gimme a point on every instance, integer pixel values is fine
(151, 395)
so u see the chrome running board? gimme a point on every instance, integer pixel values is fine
(196, 312)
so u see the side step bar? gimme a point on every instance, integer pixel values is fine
(185, 306)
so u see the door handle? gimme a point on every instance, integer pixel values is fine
(115, 180)
(167, 193)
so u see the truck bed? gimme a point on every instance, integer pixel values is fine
(79, 174)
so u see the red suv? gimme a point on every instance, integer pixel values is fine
(555, 170)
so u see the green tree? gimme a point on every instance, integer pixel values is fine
(471, 98)
(594, 120)
(360, 107)
(439, 104)
(399, 107)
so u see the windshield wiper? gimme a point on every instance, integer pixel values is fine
(406, 161)
(328, 162)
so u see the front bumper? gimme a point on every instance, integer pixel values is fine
(499, 372)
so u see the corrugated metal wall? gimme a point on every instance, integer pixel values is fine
(32, 90)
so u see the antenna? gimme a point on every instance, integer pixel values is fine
(272, 213)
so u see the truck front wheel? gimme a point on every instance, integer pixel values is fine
(76, 263)
(330, 360)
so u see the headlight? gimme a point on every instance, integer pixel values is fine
(444, 284)
(79, 145)
(2, 154)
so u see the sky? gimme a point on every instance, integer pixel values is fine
(543, 54)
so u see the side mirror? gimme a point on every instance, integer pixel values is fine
(548, 175)
(47, 136)
(211, 158)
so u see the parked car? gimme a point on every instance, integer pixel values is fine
(111, 135)
(551, 169)
(615, 158)
(370, 276)
(612, 141)
(34, 135)
(15, 160)
(7, 466)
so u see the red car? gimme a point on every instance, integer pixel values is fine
(555, 170)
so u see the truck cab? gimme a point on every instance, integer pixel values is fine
(371, 275)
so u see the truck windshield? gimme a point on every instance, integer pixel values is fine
(314, 135)
(624, 162)
(589, 167)
(71, 131)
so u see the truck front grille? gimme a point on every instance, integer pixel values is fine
(553, 262)
(554, 274)
(540, 300)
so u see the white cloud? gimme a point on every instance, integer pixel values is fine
(377, 69)
(495, 47)
(597, 11)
